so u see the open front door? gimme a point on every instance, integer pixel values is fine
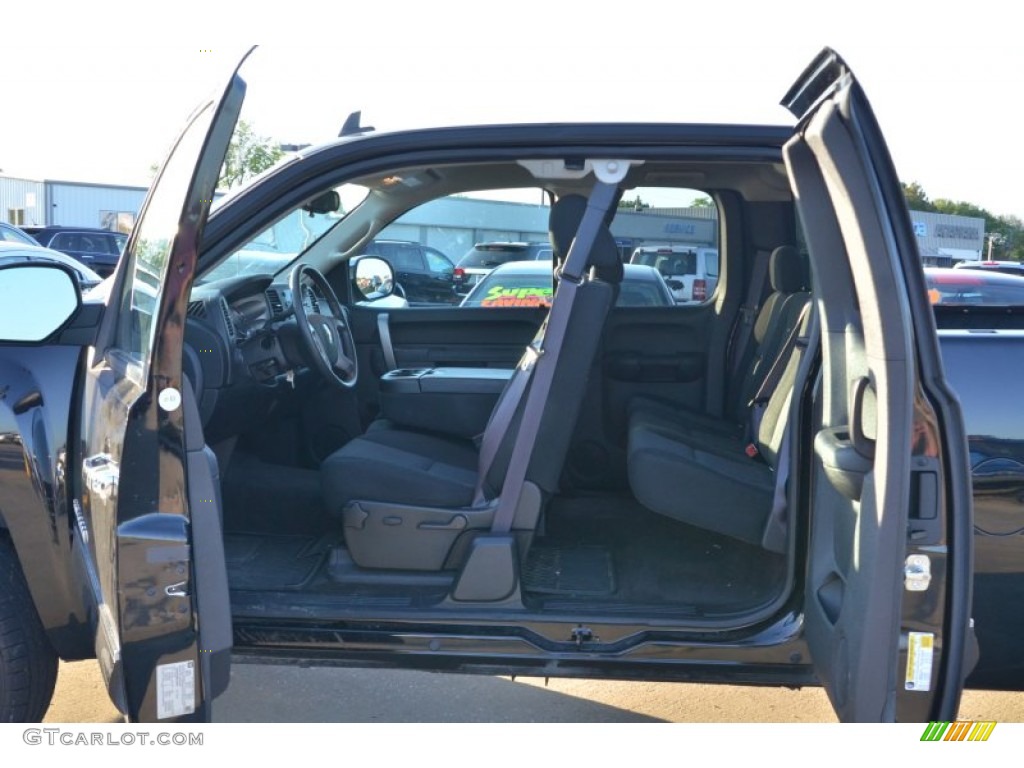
(148, 519)
(889, 562)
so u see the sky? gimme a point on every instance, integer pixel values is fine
(103, 94)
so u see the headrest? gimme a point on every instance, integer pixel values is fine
(564, 222)
(787, 270)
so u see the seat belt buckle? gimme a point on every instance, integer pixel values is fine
(752, 451)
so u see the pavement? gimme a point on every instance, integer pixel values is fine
(292, 694)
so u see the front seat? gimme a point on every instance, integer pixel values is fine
(417, 500)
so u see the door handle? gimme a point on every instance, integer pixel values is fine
(862, 444)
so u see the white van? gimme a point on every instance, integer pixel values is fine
(690, 271)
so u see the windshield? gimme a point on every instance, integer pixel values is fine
(284, 241)
(508, 289)
(496, 254)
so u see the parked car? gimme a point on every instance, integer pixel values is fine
(483, 257)
(424, 274)
(15, 252)
(968, 286)
(691, 272)
(208, 469)
(530, 284)
(12, 234)
(98, 249)
(1007, 267)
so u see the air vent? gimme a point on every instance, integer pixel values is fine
(314, 305)
(276, 305)
(228, 322)
(196, 309)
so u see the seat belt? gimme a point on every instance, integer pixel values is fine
(776, 528)
(759, 402)
(749, 310)
(571, 279)
(505, 411)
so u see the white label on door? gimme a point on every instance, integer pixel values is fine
(920, 651)
(175, 689)
(169, 399)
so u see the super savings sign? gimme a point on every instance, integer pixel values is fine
(531, 296)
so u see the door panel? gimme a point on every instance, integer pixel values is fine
(150, 484)
(882, 645)
(427, 337)
(433, 337)
(660, 353)
(470, 336)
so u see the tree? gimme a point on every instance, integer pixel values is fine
(635, 204)
(248, 155)
(916, 197)
(702, 202)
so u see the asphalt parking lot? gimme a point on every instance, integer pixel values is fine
(293, 694)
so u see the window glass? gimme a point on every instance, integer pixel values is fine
(407, 259)
(437, 262)
(711, 263)
(64, 241)
(278, 246)
(463, 237)
(671, 230)
(675, 231)
(147, 262)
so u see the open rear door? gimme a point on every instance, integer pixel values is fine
(889, 554)
(148, 523)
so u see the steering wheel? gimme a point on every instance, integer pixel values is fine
(325, 330)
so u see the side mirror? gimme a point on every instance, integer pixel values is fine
(36, 300)
(373, 277)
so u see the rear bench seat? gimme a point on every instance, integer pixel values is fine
(778, 314)
(718, 473)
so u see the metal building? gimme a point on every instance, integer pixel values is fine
(78, 204)
(22, 202)
(944, 239)
(31, 203)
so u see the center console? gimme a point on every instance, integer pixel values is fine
(454, 401)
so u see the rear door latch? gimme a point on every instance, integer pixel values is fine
(917, 573)
(581, 635)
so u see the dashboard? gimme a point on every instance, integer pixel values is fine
(242, 348)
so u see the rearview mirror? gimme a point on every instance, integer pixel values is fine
(328, 202)
(36, 300)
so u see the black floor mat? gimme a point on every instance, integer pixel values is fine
(569, 570)
(272, 498)
(662, 562)
(272, 562)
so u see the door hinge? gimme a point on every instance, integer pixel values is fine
(581, 635)
(917, 573)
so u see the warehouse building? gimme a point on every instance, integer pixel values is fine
(944, 239)
(30, 203)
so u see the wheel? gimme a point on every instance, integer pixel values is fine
(28, 663)
(324, 330)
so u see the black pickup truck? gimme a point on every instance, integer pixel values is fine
(221, 457)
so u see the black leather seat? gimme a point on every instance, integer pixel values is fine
(407, 497)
